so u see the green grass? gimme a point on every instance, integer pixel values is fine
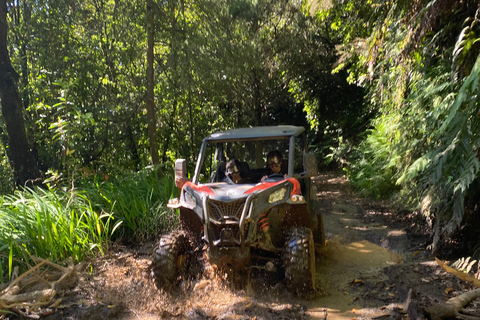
(50, 224)
(56, 224)
(137, 200)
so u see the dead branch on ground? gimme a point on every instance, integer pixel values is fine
(453, 307)
(34, 289)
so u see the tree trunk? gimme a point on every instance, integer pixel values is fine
(151, 119)
(12, 110)
(174, 50)
(132, 145)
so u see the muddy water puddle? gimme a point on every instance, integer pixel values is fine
(344, 271)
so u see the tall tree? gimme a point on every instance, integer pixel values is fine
(152, 129)
(12, 110)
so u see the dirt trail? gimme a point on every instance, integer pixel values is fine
(349, 260)
(371, 268)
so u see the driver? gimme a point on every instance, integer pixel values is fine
(274, 164)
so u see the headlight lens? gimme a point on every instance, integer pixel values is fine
(277, 195)
(297, 198)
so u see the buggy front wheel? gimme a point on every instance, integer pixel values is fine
(298, 258)
(171, 259)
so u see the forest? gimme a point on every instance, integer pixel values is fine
(99, 97)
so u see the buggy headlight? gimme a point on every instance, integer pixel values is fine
(190, 199)
(297, 198)
(277, 195)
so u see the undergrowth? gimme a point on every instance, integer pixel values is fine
(424, 146)
(57, 223)
(138, 200)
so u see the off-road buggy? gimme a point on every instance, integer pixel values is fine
(225, 221)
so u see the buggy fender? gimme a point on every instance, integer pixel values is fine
(297, 215)
(190, 221)
(281, 218)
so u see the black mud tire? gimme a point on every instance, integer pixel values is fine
(298, 258)
(171, 259)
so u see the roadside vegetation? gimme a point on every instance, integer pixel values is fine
(422, 68)
(389, 92)
(57, 223)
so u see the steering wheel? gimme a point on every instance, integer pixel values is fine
(275, 177)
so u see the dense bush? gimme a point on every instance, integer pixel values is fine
(6, 174)
(424, 143)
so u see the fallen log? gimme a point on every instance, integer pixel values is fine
(453, 307)
(17, 280)
(38, 296)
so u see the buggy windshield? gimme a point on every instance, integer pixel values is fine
(251, 155)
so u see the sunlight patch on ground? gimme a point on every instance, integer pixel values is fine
(331, 193)
(359, 247)
(355, 254)
(340, 265)
(396, 233)
(339, 180)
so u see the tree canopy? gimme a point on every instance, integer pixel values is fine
(388, 90)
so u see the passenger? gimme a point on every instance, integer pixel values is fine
(233, 172)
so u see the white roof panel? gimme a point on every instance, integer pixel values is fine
(253, 133)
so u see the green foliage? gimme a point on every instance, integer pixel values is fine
(218, 64)
(334, 105)
(56, 224)
(425, 142)
(453, 163)
(51, 224)
(376, 160)
(6, 174)
(82, 81)
(384, 86)
(138, 201)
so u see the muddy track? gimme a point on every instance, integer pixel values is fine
(373, 267)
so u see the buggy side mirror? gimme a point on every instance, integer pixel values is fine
(310, 164)
(180, 172)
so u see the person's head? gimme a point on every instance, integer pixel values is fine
(233, 170)
(274, 161)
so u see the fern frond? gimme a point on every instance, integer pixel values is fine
(464, 94)
(415, 169)
(464, 264)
